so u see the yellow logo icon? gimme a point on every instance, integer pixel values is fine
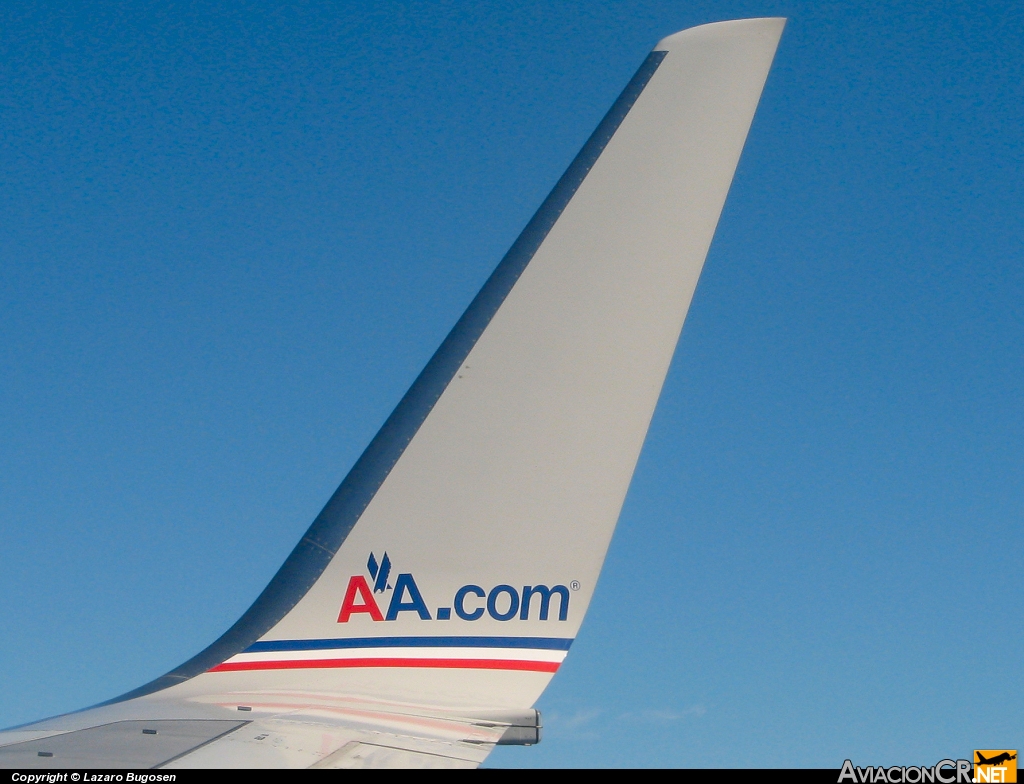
(995, 765)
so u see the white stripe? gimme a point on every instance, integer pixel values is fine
(515, 654)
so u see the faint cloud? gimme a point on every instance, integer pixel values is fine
(591, 723)
(578, 724)
(663, 715)
(583, 717)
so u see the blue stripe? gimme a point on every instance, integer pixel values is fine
(331, 527)
(542, 643)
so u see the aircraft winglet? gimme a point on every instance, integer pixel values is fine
(450, 572)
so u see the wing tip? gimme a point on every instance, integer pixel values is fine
(767, 25)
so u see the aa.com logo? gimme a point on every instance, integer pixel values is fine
(471, 602)
(989, 765)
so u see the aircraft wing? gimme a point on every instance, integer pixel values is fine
(429, 604)
(274, 729)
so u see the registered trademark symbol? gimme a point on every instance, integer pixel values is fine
(574, 585)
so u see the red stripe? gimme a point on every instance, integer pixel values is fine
(475, 664)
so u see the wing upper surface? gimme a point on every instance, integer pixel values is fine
(264, 729)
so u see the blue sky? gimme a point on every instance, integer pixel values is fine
(231, 234)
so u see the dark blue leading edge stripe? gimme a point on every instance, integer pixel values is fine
(311, 555)
(545, 643)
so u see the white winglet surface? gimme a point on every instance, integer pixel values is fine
(455, 588)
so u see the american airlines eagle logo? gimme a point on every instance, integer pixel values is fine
(470, 602)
